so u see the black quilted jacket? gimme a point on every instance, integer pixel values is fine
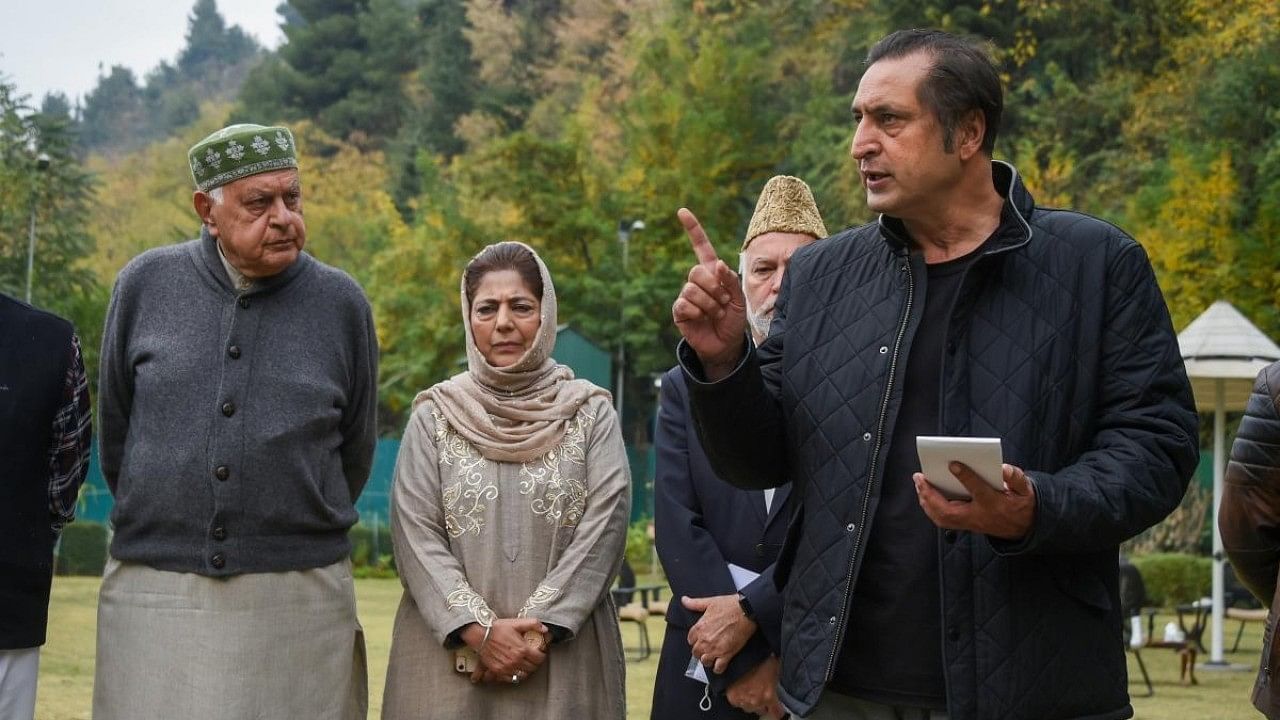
(1061, 345)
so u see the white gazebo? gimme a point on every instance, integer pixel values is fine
(1223, 353)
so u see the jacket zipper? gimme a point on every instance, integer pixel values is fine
(871, 476)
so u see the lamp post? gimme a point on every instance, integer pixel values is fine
(625, 228)
(42, 164)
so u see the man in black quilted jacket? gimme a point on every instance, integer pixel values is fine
(966, 310)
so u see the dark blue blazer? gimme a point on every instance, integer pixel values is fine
(701, 524)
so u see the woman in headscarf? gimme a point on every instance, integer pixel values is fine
(509, 517)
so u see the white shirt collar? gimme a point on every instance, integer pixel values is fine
(237, 278)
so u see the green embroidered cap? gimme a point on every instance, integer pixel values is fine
(238, 151)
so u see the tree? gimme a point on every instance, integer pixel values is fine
(415, 293)
(211, 47)
(113, 112)
(59, 199)
(56, 105)
(342, 65)
(121, 115)
(439, 91)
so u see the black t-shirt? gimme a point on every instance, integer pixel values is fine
(893, 643)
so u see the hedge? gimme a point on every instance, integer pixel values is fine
(364, 552)
(83, 549)
(1174, 578)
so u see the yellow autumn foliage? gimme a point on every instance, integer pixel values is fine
(1191, 238)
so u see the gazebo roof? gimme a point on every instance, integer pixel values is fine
(1223, 344)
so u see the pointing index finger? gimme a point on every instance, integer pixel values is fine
(697, 237)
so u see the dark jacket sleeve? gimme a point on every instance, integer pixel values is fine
(690, 556)
(766, 602)
(738, 418)
(1145, 443)
(359, 426)
(1249, 517)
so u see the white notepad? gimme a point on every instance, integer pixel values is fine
(982, 455)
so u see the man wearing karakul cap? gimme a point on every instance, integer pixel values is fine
(237, 414)
(717, 543)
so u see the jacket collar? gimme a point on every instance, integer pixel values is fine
(1015, 227)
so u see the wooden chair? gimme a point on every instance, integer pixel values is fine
(658, 607)
(1240, 604)
(1133, 603)
(631, 611)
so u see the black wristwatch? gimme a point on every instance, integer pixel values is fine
(745, 604)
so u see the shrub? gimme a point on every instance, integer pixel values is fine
(639, 543)
(364, 551)
(83, 549)
(1174, 578)
(385, 567)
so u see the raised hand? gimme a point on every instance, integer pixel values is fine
(711, 311)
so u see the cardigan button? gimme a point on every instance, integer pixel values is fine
(228, 409)
(234, 352)
(219, 533)
(244, 303)
(222, 472)
(218, 561)
(949, 535)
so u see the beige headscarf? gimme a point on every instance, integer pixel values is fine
(520, 412)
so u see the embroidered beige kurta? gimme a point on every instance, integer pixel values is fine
(477, 540)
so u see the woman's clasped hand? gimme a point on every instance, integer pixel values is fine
(514, 650)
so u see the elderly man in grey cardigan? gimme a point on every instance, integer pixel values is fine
(237, 399)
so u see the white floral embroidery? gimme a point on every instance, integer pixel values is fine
(260, 145)
(464, 494)
(543, 595)
(464, 597)
(213, 158)
(196, 167)
(235, 150)
(558, 496)
(282, 141)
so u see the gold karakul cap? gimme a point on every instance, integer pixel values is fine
(785, 205)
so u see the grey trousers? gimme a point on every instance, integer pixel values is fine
(18, 672)
(834, 706)
(264, 646)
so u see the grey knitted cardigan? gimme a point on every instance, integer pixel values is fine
(236, 429)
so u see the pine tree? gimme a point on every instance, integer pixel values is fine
(211, 46)
(342, 65)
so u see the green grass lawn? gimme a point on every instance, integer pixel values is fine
(66, 665)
